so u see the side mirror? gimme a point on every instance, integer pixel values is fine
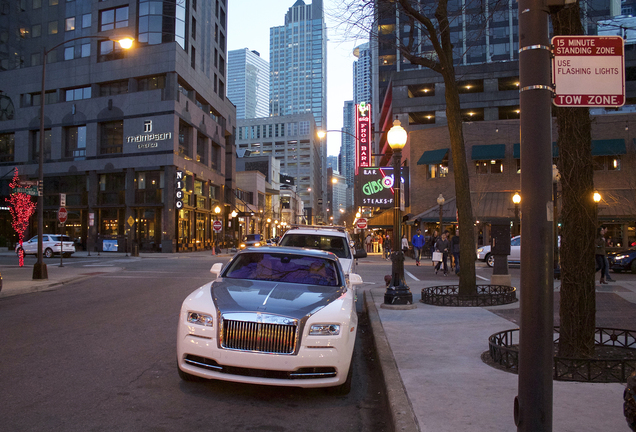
(360, 253)
(355, 279)
(216, 269)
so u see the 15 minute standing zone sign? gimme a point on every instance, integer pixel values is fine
(588, 71)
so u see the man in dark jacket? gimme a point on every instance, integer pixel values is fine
(455, 251)
(443, 245)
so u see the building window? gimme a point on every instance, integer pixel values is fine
(111, 137)
(52, 27)
(437, 170)
(194, 28)
(75, 142)
(202, 146)
(161, 22)
(78, 94)
(151, 83)
(86, 50)
(7, 147)
(37, 4)
(113, 88)
(184, 141)
(33, 99)
(489, 166)
(609, 163)
(36, 30)
(35, 145)
(86, 20)
(193, 58)
(53, 2)
(69, 24)
(110, 19)
(215, 156)
(69, 52)
(109, 50)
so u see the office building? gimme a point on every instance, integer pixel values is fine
(123, 129)
(248, 83)
(362, 82)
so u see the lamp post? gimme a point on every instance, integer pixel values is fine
(556, 176)
(440, 202)
(516, 199)
(39, 268)
(397, 293)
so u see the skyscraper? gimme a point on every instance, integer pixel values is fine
(248, 83)
(298, 67)
(347, 143)
(362, 74)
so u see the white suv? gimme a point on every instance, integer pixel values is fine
(328, 238)
(51, 245)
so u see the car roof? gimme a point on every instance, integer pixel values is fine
(290, 250)
(336, 232)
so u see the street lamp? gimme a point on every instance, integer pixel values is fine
(440, 202)
(516, 199)
(397, 293)
(39, 268)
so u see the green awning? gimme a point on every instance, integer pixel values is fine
(489, 152)
(609, 147)
(433, 157)
(516, 150)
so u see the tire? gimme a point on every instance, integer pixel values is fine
(490, 260)
(48, 253)
(17, 252)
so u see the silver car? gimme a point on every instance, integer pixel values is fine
(51, 245)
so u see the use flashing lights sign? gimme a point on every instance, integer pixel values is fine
(363, 133)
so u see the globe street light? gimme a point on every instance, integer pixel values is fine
(39, 268)
(516, 199)
(397, 293)
(440, 202)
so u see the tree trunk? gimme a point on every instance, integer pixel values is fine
(467, 279)
(579, 218)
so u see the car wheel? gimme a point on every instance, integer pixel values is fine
(17, 251)
(48, 253)
(490, 260)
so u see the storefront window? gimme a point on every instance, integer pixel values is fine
(184, 227)
(200, 232)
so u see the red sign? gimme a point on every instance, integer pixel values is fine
(588, 71)
(62, 214)
(361, 223)
(363, 135)
(217, 225)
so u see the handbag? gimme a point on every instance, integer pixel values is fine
(437, 256)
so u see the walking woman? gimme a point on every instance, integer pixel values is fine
(599, 252)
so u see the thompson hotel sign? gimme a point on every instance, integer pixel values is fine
(148, 139)
(363, 133)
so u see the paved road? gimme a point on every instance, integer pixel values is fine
(99, 354)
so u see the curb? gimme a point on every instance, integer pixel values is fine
(399, 404)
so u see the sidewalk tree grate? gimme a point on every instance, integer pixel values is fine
(487, 295)
(616, 359)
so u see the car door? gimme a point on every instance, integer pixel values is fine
(31, 246)
(515, 249)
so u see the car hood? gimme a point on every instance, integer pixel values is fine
(278, 298)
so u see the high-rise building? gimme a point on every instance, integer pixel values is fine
(332, 162)
(248, 83)
(298, 68)
(120, 127)
(362, 83)
(347, 143)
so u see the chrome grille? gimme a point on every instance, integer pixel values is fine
(260, 337)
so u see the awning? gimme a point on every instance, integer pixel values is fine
(489, 152)
(433, 157)
(516, 151)
(609, 147)
(617, 205)
(449, 213)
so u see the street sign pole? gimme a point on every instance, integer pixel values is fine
(62, 215)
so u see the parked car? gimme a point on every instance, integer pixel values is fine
(272, 316)
(623, 260)
(328, 238)
(251, 240)
(483, 253)
(51, 245)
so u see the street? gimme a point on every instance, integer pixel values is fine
(99, 354)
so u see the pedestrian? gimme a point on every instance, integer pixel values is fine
(609, 243)
(367, 241)
(599, 253)
(387, 247)
(405, 244)
(380, 243)
(374, 242)
(455, 250)
(442, 245)
(434, 239)
(418, 244)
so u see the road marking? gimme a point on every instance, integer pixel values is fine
(481, 277)
(99, 265)
(411, 275)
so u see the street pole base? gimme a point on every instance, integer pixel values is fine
(398, 295)
(39, 271)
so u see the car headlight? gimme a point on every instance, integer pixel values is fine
(620, 257)
(324, 330)
(257, 244)
(242, 245)
(200, 319)
(480, 250)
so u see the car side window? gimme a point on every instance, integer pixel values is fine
(515, 242)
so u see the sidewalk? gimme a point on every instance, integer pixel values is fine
(437, 382)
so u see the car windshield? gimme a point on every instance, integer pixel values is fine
(253, 237)
(280, 267)
(334, 244)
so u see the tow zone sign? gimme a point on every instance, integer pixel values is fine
(588, 71)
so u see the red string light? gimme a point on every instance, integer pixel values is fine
(21, 208)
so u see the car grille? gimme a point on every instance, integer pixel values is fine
(259, 337)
